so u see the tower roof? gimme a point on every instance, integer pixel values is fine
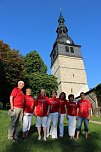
(62, 31)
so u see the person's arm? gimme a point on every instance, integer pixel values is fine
(48, 110)
(11, 103)
(48, 102)
(77, 113)
(89, 110)
(77, 106)
(59, 107)
(36, 101)
(89, 113)
(67, 113)
(66, 110)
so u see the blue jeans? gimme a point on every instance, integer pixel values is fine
(79, 124)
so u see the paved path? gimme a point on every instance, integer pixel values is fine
(96, 122)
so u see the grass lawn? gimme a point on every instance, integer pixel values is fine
(96, 118)
(93, 144)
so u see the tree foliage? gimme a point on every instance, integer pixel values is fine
(34, 63)
(36, 76)
(31, 69)
(11, 67)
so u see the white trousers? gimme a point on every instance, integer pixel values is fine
(71, 125)
(52, 118)
(61, 125)
(27, 118)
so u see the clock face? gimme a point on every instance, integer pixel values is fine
(68, 41)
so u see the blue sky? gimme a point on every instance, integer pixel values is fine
(28, 25)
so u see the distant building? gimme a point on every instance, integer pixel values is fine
(67, 62)
(94, 100)
(91, 96)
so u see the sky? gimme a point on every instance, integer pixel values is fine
(28, 25)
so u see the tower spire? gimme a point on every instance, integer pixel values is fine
(60, 12)
(62, 30)
(61, 19)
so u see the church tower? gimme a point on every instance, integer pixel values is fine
(67, 62)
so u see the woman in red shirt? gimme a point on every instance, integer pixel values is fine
(71, 111)
(62, 112)
(41, 111)
(53, 115)
(28, 112)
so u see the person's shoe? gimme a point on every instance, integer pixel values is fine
(61, 136)
(24, 135)
(39, 138)
(17, 140)
(47, 135)
(77, 138)
(54, 138)
(70, 138)
(10, 138)
(44, 138)
(86, 137)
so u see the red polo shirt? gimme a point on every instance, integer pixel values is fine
(54, 105)
(18, 97)
(41, 106)
(72, 108)
(83, 106)
(29, 104)
(62, 105)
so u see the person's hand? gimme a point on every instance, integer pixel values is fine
(24, 113)
(89, 117)
(59, 115)
(47, 113)
(12, 108)
(76, 117)
(67, 117)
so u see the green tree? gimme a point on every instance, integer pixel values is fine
(11, 67)
(36, 76)
(34, 63)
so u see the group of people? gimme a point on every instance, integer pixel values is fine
(49, 113)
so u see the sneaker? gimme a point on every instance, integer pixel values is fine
(39, 138)
(17, 140)
(47, 135)
(10, 138)
(44, 138)
(54, 138)
(13, 140)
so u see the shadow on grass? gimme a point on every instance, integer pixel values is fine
(59, 145)
(81, 145)
(31, 144)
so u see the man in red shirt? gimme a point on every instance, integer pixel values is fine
(17, 104)
(83, 114)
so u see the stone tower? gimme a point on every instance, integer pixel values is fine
(67, 62)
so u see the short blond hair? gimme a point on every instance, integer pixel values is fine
(28, 89)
